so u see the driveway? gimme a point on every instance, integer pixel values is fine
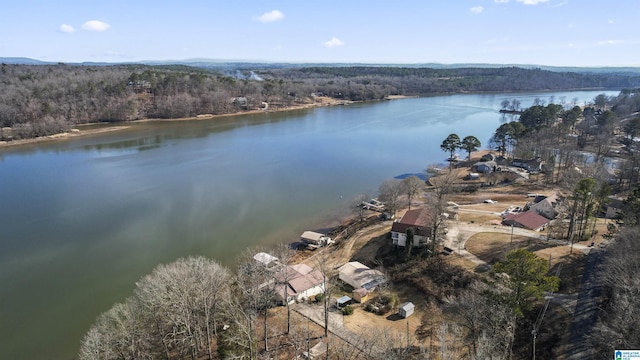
(586, 310)
(458, 234)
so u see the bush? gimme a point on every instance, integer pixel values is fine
(319, 298)
(383, 310)
(389, 299)
(347, 310)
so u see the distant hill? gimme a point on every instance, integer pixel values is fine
(245, 64)
(23, 61)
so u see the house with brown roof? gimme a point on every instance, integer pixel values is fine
(529, 220)
(418, 220)
(298, 282)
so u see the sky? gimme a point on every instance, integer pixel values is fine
(533, 32)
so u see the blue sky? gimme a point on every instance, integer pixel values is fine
(542, 32)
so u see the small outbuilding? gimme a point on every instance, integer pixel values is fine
(360, 295)
(343, 301)
(406, 309)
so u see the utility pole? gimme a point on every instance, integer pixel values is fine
(511, 243)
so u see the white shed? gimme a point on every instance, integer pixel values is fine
(406, 309)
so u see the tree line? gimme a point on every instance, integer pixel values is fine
(592, 153)
(38, 100)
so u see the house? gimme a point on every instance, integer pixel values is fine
(545, 205)
(613, 207)
(529, 165)
(485, 167)
(529, 220)
(240, 101)
(405, 310)
(298, 282)
(418, 220)
(359, 275)
(488, 157)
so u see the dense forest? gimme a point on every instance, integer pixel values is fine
(39, 100)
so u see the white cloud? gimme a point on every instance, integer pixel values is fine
(95, 25)
(610, 22)
(271, 16)
(500, 1)
(477, 9)
(67, 28)
(333, 42)
(532, 2)
(610, 42)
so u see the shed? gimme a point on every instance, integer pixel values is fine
(406, 309)
(343, 301)
(360, 295)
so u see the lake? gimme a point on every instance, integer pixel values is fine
(82, 219)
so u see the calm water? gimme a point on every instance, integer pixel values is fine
(81, 220)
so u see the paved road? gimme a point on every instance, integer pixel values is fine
(586, 311)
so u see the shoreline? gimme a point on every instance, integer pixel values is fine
(78, 132)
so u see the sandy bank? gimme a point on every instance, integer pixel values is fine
(61, 136)
(319, 102)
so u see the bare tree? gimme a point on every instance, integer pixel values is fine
(411, 187)
(257, 285)
(617, 326)
(181, 301)
(436, 200)
(389, 194)
(118, 334)
(357, 206)
(487, 326)
(284, 253)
